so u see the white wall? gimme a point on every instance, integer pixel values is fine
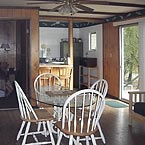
(98, 53)
(51, 37)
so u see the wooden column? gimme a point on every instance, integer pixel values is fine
(71, 48)
(71, 40)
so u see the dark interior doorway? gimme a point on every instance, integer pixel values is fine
(17, 61)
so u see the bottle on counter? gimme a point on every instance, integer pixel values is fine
(68, 60)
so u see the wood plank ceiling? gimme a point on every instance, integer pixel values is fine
(99, 10)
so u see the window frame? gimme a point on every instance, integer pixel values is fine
(91, 41)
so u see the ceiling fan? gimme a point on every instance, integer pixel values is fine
(74, 6)
(67, 6)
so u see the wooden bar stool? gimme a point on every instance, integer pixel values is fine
(45, 70)
(65, 76)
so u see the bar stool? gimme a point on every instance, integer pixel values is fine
(65, 76)
(45, 70)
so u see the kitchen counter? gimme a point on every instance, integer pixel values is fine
(54, 65)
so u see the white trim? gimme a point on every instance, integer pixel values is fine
(141, 55)
(125, 22)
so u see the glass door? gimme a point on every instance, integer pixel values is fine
(129, 58)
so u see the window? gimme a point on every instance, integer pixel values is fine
(92, 41)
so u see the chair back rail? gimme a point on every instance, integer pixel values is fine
(46, 82)
(25, 107)
(65, 76)
(100, 85)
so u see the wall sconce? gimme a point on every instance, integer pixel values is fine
(5, 46)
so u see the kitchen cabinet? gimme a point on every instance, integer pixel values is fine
(77, 55)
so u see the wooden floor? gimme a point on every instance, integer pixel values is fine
(114, 124)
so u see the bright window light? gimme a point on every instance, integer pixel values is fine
(92, 41)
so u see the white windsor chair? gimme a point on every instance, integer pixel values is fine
(84, 127)
(30, 116)
(45, 82)
(101, 86)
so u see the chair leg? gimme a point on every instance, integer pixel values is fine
(71, 140)
(93, 139)
(101, 133)
(21, 129)
(39, 126)
(87, 140)
(50, 132)
(59, 139)
(44, 129)
(26, 133)
(78, 139)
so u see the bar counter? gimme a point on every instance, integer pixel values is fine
(52, 65)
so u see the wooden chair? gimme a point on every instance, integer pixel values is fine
(65, 76)
(30, 116)
(45, 70)
(85, 127)
(136, 106)
(45, 82)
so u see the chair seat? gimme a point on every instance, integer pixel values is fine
(42, 114)
(78, 129)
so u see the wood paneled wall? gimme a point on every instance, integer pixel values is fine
(111, 57)
(31, 14)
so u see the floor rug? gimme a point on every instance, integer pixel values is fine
(116, 104)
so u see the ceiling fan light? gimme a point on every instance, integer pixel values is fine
(68, 9)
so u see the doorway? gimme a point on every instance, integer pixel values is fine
(15, 34)
(129, 60)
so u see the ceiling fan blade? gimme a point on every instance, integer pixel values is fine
(87, 9)
(93, 2)
(56, 8)
(124, 4)
(44, 2)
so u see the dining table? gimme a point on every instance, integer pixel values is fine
(56, 97)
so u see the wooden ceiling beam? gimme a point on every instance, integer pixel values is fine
(101, 13)
(84, 12)
(111, 3)
(75, 19)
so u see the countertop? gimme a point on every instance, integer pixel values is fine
(54, 65)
